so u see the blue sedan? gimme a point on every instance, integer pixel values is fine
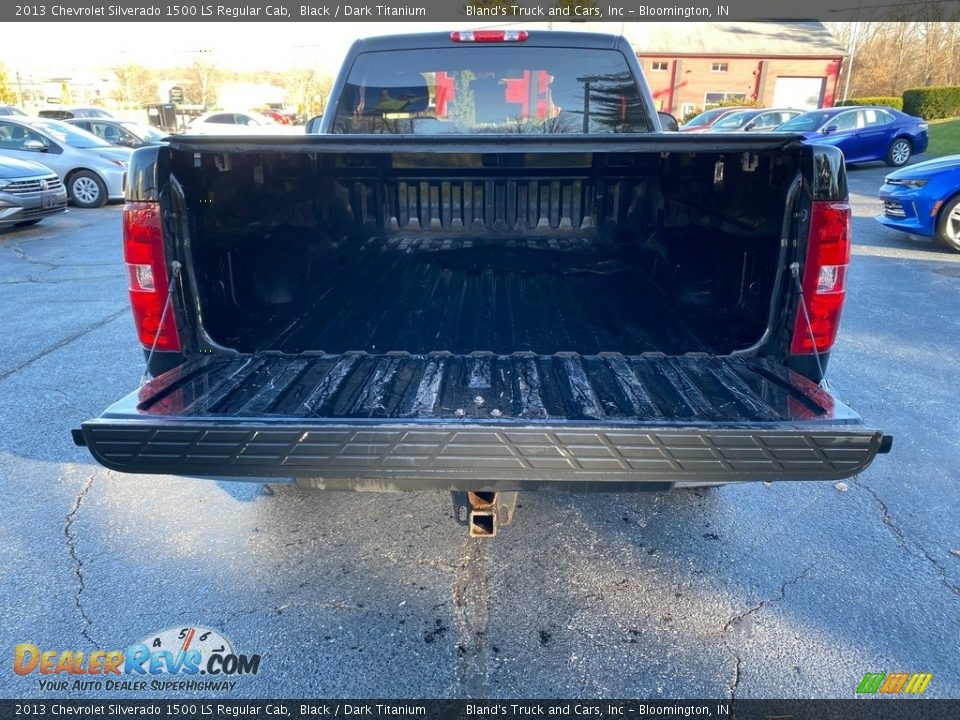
(863, 133)
(924, 199)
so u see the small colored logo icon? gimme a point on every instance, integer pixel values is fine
(894, 683)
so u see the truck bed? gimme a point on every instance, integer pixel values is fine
(497, 421)
(543, 248)
(542, 295)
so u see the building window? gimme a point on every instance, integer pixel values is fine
(714, 99)
(659, 66)
(719, 67)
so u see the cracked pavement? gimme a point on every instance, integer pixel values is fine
(735, 620)
(70, 533)
(786, 590)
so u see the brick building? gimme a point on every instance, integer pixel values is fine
(697, 65)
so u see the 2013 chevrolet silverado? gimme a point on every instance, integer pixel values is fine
(490, 271)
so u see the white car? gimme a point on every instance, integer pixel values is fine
(93, 170)
(246, 122)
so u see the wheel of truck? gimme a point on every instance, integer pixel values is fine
(948, 225)
(899, 152)
(86, 189)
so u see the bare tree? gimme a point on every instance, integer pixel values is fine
(136, 85)
(899, 37)
(308, 90)
(204, 81)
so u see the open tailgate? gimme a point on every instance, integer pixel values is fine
(461, 422)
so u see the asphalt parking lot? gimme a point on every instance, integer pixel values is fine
(787, 590)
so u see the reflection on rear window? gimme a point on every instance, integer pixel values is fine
(805, 123)
(733, 121)
(72, 136)
(490, 90)
(705, 118)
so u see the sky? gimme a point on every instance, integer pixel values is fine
(61, 48)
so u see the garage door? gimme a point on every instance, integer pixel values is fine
(802, 93)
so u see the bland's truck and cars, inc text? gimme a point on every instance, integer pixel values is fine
(490, 270)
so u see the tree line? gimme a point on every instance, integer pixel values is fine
(306, 90)
(887, 58)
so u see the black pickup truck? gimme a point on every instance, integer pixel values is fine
(490, 271)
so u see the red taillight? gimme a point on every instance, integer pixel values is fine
(488, 36)
(147, 269)
(824, 278)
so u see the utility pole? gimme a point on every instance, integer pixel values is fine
(19, 88)
(849, 70)
(854, 34)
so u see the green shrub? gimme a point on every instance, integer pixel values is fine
(931, 103)
(735, 102)
(886, 101)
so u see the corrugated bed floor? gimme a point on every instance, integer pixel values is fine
(542, 295)
(487, 387)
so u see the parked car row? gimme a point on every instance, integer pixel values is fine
(739, 119)
(82, 154)
(132, 134)
(863, 134)
(92, 170)
(74, 112)
(125, 133)
(239, 122)
(753, 120)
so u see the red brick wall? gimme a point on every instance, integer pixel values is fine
(743, 76)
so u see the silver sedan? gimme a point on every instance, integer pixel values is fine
(28, 193)
(92, 170)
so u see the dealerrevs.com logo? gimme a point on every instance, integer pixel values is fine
(173, 660)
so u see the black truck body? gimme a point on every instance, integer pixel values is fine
(486, 311)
